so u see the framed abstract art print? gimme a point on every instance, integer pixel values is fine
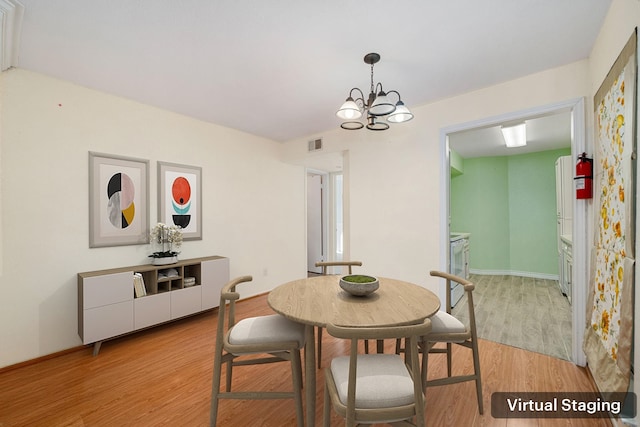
(180, 198)
(118, 200)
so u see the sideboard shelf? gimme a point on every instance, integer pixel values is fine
(109, 307)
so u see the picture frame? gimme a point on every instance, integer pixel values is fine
(180, 198)
(118, 200)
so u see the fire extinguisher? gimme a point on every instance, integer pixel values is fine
(584, 177)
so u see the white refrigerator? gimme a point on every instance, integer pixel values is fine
(564, 210)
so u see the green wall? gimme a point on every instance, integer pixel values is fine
(508, 205)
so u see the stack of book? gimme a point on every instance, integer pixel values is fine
(170, 272)
(189, 281)
(138, 285)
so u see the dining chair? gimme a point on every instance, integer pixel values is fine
(273, 338)
(376, 388)
(447, 329)
(325, 265)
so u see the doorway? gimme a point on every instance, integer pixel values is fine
(317, 219)
(327, 207)
(576, 113)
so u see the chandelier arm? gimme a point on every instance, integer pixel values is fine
(396, 92)
(361, 99)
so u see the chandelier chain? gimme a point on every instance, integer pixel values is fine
(372, 88)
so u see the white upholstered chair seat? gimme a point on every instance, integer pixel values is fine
(266, 329)
(382, 381)
(444, 323)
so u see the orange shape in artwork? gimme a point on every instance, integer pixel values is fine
(181, 190)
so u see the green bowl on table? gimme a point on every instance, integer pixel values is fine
(359, 284)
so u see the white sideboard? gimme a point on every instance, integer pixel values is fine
(108, 306)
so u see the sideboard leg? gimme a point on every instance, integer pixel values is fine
(96, 347)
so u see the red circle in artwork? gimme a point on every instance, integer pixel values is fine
(181, 190)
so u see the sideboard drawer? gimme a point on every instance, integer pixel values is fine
(107, 289)
(107, 321)
(186, 301)
(152, 310)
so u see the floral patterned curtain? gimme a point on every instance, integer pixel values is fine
(609, 334)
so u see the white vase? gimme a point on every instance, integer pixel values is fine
(165, 260)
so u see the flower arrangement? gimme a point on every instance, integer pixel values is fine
(169, 237)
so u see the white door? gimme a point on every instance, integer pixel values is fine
(315, 221)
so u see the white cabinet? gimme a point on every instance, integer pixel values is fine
(564, 214)
(152, 310)
(108, 307)
(459, 263)
(215, 274)
(107, 321)
(566, 275)
(564, 187)
(186, 301)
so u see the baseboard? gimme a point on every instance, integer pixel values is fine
(515, 273)
(41, 359)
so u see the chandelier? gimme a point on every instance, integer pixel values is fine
(377, 107)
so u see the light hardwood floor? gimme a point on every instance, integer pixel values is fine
(162, 377)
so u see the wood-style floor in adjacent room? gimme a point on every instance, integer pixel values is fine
(523, 312)
(162, 377)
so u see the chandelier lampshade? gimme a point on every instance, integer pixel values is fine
(378, 106)
(401, 114)
(381, 105)
(349, 110)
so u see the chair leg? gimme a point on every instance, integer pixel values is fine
(366, 346)
(449, 359)
(319, 345)
(296, 374)
(229, 374)
(425, 362)
(326, 410)
(215, 390)
(476, 368)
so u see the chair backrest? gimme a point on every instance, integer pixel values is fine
(411, 333)
(229, 296)
(468, 288)
(325, 264)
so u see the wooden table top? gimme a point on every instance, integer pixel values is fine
(320, 300)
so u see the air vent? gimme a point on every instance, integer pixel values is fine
(315, 144)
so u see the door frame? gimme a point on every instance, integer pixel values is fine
(580, 207)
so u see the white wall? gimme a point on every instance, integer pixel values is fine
(253, 204)
(395, 176)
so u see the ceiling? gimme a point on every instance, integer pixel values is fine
(280, 69)
(545, 132)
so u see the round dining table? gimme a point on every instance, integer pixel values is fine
(318, 301)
